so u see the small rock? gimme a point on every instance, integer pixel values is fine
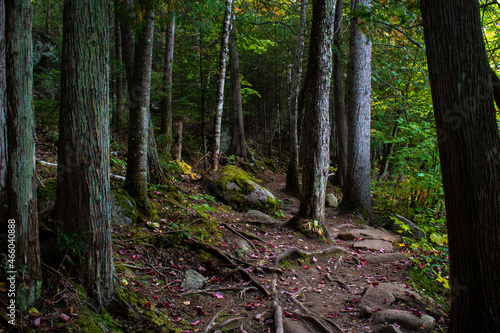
(368, 233)
(405, 319)
(243, 247)
(378, 258)
(193, 280)
(374, 245)
(258, 216)
(386, 293)
(365, 311)
(331, 200)
(387, 329)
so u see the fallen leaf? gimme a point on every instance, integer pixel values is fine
(194, 323)
(36, 322)
(186, 302)
(64, 317)
(34, 312)
(3, 287)
(218, 295)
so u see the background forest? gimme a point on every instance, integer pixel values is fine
(195, 84)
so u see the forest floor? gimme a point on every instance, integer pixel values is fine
(251, 271)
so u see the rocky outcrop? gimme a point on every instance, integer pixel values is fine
(237, 189)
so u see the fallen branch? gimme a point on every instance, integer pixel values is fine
(211, 324)
(247, 234)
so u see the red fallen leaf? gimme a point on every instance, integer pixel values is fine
(223, 244)
(375, 283)
(147, 306)
(165, 305)
(133, 257)
(194, 323)
(305, 267)
(287, 314)
(333, 315)
(122, 252)
(155, 297)
(416, 312)
(37, 321)
(64, 317)
(200, 310)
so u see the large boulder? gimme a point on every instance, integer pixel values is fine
(237, 189)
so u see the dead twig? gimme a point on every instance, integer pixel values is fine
(254, 280)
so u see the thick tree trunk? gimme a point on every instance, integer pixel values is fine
(292, 174)
(338, 93)
(137, 156)
(357, 194)
(22, 178)
(315, 146)
(3, 125)
(469, 149)
(120, 105)
(237, 146)
(83, 186)
(224, 46)
(166, 106)
(128, 41)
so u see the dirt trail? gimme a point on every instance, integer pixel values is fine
(319, 292)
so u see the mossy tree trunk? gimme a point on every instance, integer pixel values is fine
(137, 156)
(83, 185)
(315, 146)
(119, 86)
(22, 178)
(292, 174)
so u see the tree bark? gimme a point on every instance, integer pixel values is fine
(155, 170)
(3, 124)
(47, 18)
(22, 180)
(224, 45)
(237, 146)
(128, 41)
(166, 107)
(177, 152)
(292, 174)
(315, 146)
(137, 156)
(469, 147)
(83, 185)
(120, 106)
(357, 194)
(339, 94)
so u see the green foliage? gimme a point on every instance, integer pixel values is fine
(75, 244)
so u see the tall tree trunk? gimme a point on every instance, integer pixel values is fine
(128, 41)
(120, 106)
(155, 170)
(203, 99)
(47, 18)
(292, 174)
(315, 146)
(137, 157)
(357, 194)
(224, 45)
(83, 186)
(3, 124)
(469, 148)
(22, 180)
(166, 106)
(338, 93)
(237, 146)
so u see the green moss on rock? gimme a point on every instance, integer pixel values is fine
(237, 189)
